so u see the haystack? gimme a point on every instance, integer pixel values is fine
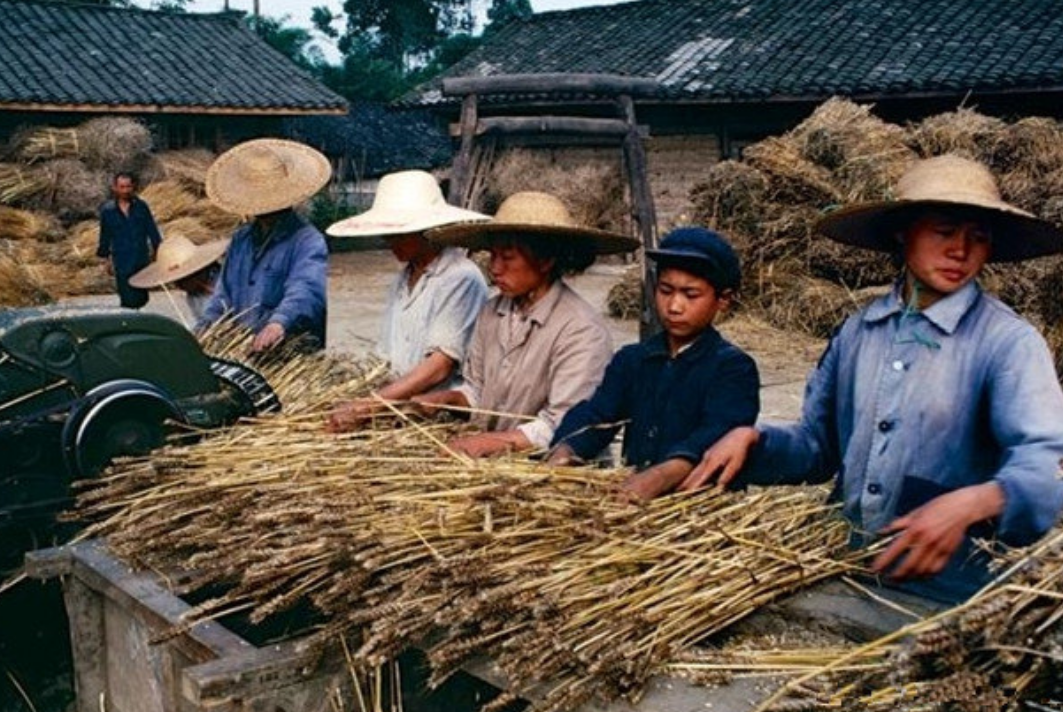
(74, 191)
(188, 167)
(593, 192)
(624, 300)
(18, 287)
(216, 220)
(731, 198)
(168, 200)
(18, 224)
(964, 132)
(797, 302)
(792, 178)
(18, 183)
(83, 239)
(114, 144)
(190, 228)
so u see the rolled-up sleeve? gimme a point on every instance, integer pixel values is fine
(1026, 417)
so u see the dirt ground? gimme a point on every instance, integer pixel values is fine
(359, 280)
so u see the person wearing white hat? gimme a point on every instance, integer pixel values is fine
(936, 406)
(274, 278)
(432, 303)
(538, 347)
(190, 267)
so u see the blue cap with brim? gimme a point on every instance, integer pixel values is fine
(702, 252)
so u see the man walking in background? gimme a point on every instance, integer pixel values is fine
(128, 238)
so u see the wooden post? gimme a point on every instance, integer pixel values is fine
(642, 212)
(459, 174)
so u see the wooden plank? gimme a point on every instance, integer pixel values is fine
(459, 172)
(84, 608)
(572, 125)
(255, 671)
(552, 83)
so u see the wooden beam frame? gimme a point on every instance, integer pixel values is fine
(553, 84)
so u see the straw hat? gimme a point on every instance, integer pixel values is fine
(405, 202)
(266, 175)
(946, 182)
(530, 214)
(178, 257)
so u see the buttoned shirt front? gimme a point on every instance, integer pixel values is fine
(537, 363)
(127, 238)
(438, 314)
(907, 405)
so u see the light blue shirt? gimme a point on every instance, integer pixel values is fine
(905, 406)
(438, 314)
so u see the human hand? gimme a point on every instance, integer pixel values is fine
(931, 534)
(723, 460)
(351, 415)
(488, 444)
(563, 456)
(269, 336)
(643, 486)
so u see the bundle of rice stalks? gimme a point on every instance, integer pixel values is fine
(112, 143)
(866, 154)
(731, 198)
(18, 224)
(797, 302)
(1033, 144)
(18, 183)
(792, 178)
(188, 167)
(168, 200)
(46, 143)
(74, 190)
(999, 650)
(18, 287)
(850, 267)
(568, 587)
(83, 239)
(1027, 287)
(624, 300)
(594, 193)
(964, 132)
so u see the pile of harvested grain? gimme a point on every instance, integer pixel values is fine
(544, 569)
(594, 193)
(624, 300)
(18, 287)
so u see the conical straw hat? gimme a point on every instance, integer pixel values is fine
(177, 258)
(530, 214)
(405, 203)
(266, 175)
(946, 182)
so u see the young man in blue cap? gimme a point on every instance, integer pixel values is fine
(682, 389)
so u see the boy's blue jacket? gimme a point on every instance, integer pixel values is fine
(673, 407)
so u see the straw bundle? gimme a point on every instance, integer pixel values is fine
(214, 218)
(18, 287)
(46, 143)
(594, 193)
(187, 167)
(83, 240)
(569, 588)
(809, 305)
(964, 132)
(168, 200)
(731, 198)
(17, 183)
(28, 225)
(74, 190)
(114, 144)
(791, 177)
(624, 300)
(190, 228)
(1033, 144)
(1000, 650)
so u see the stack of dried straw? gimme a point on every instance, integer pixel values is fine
(575, 593)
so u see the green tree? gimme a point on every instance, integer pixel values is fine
(292, 42)
(502, 12)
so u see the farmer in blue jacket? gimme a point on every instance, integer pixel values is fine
(128, 238)
(274, 278)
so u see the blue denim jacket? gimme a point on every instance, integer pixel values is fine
(284, 282)
(905, 406)
(674, 406)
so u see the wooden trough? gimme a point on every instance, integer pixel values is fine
(126, 658)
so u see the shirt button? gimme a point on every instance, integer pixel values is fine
(885, 426)
(898, 365)
(874, 488)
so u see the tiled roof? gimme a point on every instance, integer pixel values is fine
(57, 55)
(751, 50)
(378, 140)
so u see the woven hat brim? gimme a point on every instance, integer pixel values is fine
(156, 275)
(230, 191)
(480, 236)
(1017, 235)
(381, 223)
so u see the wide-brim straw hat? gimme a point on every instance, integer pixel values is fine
(407, 202)
(266, 175)
(531, 214)
(946, 182)
(177, 258)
